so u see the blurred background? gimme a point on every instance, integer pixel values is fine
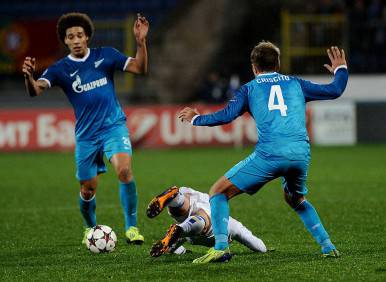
(198, 54)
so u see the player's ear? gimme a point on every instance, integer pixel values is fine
(254, 69)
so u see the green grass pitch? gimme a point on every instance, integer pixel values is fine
(41, 229)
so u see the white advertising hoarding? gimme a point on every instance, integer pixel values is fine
(333, 122)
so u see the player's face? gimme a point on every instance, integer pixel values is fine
(76, 40)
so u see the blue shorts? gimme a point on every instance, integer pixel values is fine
(252, 173)
(89, 154)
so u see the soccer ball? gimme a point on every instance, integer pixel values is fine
(101, 239)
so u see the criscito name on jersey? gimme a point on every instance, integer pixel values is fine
(272, 79)
(79, 87)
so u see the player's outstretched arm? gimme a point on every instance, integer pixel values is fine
(335, 89)
(235, 107)
(138, 64)
(34, 88)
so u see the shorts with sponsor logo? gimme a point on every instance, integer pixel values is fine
(89, 154)
(253, 172)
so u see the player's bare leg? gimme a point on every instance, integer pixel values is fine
(88, 188)
(122, 166)
(128, 194)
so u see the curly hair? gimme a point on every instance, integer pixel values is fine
(74, 19)
(266, 56)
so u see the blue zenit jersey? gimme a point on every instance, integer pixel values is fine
(89, 86)
(278, 105)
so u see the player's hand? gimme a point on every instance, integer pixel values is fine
(187, 114)
(141, 27)
(28, 68)
(337, 58)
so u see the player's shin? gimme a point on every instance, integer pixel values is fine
(129, 200)
(220, 216)
(87, 209)
(312, 222)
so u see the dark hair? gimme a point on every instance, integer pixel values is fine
(266, 56)
(74, 19)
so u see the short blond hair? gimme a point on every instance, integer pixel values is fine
(266, 56)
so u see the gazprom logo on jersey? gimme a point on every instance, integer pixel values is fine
(79, 87)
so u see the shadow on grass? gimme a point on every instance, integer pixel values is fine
(243, 256)
(48, 256)
(170, 258)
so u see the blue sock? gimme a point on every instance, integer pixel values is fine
(220, 216)
(129, 199)
(312, 222)
(87, 209)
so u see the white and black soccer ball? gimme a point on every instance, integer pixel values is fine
(101, 239)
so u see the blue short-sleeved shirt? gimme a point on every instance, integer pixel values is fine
(89, 86)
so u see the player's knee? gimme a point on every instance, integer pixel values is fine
(87, 190)
(225, 187)
(293, 200)
(213, 191)
(125, 175)
(218, 187)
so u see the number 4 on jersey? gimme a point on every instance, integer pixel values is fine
(276, 92)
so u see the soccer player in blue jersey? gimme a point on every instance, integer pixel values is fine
(86, 76)
(277, 103)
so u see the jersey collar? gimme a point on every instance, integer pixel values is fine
(81, 59)
(267, 73)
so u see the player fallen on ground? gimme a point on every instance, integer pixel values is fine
(277, 103)
(191, 210)
(86, 77)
